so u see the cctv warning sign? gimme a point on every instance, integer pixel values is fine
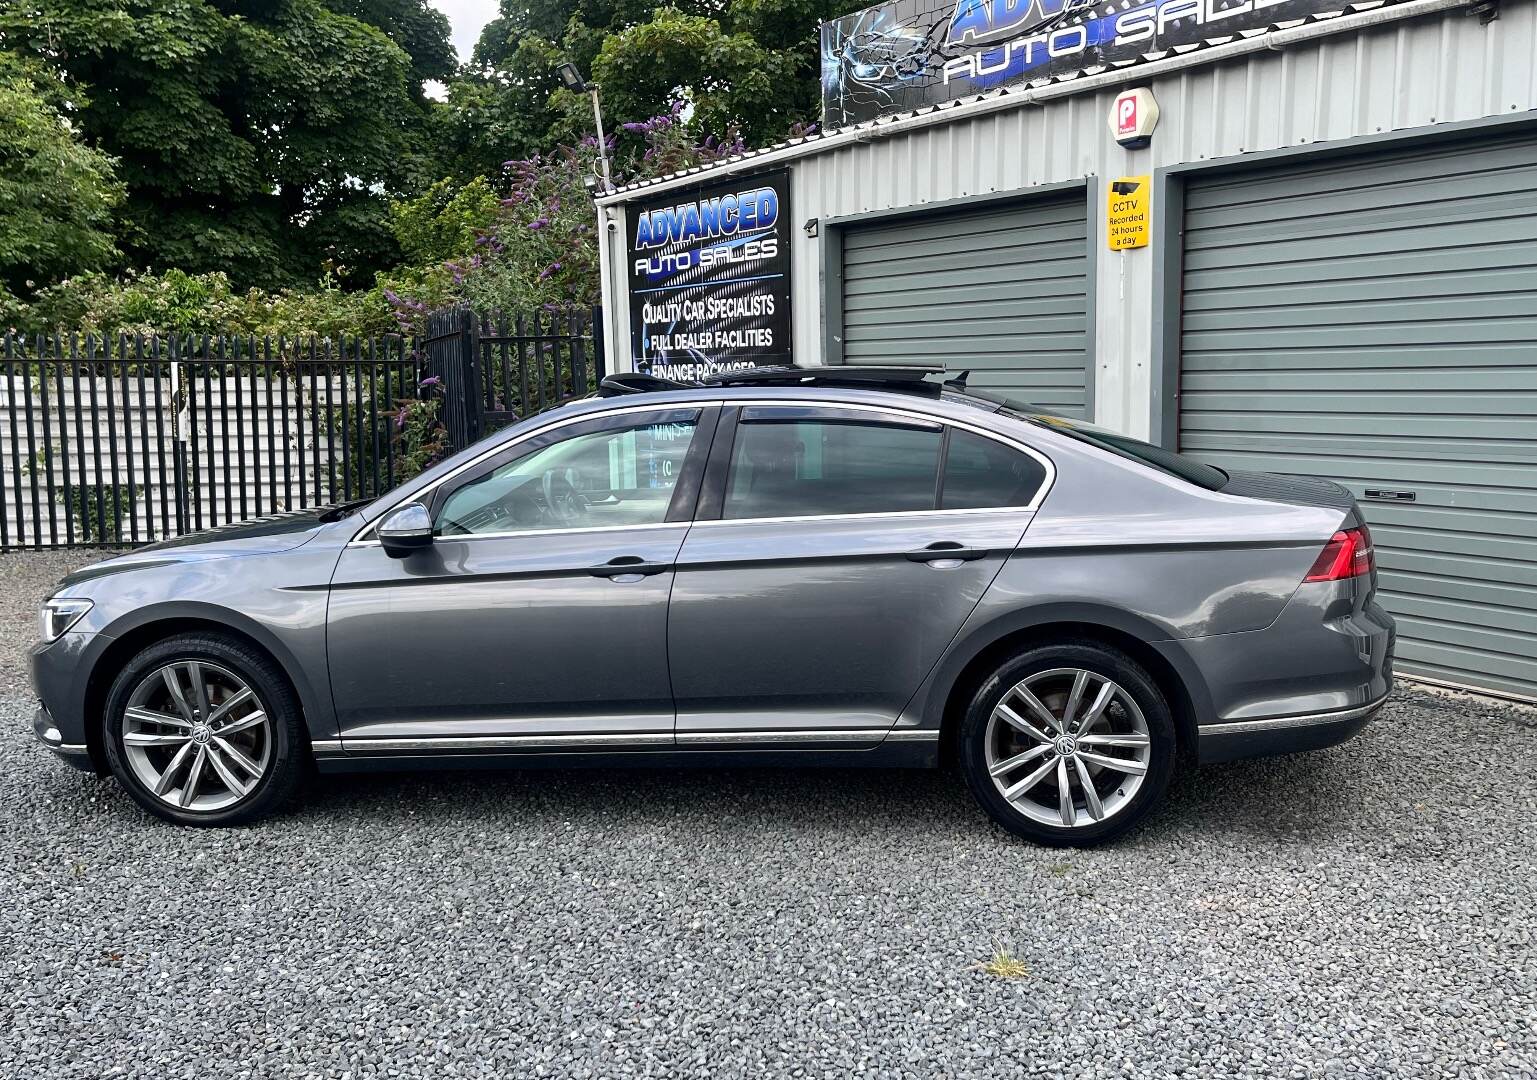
(1129, 212)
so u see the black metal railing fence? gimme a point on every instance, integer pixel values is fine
(505, 367)
(125, 440)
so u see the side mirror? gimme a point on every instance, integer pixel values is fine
(406, 530)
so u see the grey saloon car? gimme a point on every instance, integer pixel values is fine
(813, 566)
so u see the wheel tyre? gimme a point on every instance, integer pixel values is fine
(1100, 660)
(287, 762)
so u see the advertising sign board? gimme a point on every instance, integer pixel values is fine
(904, 55)
(709, 277)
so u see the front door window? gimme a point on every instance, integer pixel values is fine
(603, 478)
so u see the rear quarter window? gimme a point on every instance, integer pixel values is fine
(982, 473)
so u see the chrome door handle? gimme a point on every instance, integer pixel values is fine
(946, 551)
(629, 567)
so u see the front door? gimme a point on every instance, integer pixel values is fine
(837, 552)
(538, 616)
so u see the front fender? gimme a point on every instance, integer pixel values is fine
(276, 600)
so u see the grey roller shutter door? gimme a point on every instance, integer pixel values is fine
(1374, 320)
(1002, 291)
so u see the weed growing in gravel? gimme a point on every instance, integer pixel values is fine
(1004, 965)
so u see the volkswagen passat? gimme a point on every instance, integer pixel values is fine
(823, 566)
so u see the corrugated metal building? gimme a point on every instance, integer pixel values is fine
(1341, 279)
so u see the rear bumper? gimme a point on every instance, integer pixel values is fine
(47, 732)
(1234, 739)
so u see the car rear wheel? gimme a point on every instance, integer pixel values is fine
(203, 730)
(1068, 745)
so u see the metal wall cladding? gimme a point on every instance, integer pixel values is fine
(911, 294)
(1411, 73)
(1373, 320)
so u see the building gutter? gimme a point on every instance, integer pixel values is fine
(998, 101)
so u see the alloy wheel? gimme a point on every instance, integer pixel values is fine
(196, 735)
(1068, 747)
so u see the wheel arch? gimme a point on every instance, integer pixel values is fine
(973, 660)
(127, 641)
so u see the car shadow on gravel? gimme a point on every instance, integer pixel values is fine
(1310, 796)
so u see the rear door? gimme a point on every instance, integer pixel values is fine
(836, 552)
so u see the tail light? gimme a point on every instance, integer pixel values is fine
(1348, 554)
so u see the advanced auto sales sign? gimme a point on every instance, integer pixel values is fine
(710, 278)
(904, 55)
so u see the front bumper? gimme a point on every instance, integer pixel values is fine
(1236, 739)
(77, 754)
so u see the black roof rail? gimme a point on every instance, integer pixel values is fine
(911, 380)
(638, 382)
(902, 379)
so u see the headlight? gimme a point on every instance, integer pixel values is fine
(59, 614)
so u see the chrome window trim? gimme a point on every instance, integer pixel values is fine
(535, 532)
(1047, 483)
(1282, 723)
(878, 515)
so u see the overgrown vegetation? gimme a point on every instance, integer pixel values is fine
(200, 167)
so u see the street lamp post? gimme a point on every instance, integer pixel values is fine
(573, 81)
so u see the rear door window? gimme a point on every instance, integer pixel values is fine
(832, 466)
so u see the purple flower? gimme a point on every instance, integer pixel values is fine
(549, 271)
(634, 127)
(431, 380)
(539, 223)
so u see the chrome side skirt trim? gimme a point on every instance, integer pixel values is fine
(781, 736)
(503, 742)
(1281, 723)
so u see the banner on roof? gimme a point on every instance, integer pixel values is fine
(907, 54)
(709, 277)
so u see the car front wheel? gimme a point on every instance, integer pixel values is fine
(204, 730)
(1068, 745)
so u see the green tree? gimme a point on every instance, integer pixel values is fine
(57, 196)
(262, 138)
(744, 65)
(444, 222)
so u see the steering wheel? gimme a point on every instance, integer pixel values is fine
(561, 498)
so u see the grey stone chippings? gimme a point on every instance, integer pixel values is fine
(1366, 911)
(1363, 911)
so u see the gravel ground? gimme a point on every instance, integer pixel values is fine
(1363, 911)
